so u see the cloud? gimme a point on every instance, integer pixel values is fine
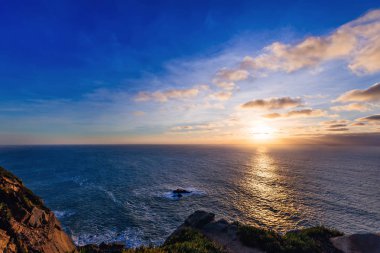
(357, 42)
(226, 78)
(232, 75)
(358, 124)
(342, 129)
(273, 103)
(297, 114)
(337, 125)
(332, 122)
(164, 96)
(138, 113)
(306, 113)
(372, 118)
(370, 94)
(222, 96)
(272, 115)
(351, 107)
(194, 128)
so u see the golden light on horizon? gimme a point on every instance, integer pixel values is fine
(262, 132)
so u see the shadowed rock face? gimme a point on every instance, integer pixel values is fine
(26, 224)
(358, 243)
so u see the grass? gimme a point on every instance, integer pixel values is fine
(189, 240)
(310, 240)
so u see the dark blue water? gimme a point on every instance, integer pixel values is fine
(122, 193)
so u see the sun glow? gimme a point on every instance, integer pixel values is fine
(262, 132)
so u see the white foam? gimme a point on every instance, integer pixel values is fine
(130, 237)
(63, 214)
(110, 195)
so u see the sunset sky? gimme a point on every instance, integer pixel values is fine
(189, 71)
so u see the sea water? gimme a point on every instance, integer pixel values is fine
(123, 193)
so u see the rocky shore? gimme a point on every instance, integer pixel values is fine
(27, 225)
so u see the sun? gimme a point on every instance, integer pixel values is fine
(262, 132)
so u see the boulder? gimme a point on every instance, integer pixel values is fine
(199, 219)
(358, 243)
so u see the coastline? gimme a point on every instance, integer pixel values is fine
(27, 225)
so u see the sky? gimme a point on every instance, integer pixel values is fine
(115, 72)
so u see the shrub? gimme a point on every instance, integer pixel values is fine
(188, 240)
(309, 240)
(267, 240)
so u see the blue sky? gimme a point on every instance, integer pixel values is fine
(182, 71)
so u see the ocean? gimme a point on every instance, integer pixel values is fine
(122, 193)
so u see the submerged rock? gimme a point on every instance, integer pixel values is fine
(26, 224)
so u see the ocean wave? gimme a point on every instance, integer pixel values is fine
(131, 238)
(63, 214)
(109, 194)
(83, 182)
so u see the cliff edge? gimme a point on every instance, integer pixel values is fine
(26, 224)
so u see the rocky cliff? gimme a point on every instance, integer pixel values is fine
(26, 224)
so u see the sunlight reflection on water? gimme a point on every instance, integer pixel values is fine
(116, 192)
(267, 200)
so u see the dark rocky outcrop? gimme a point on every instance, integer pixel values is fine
(199, 219)
(179, 192)
(221, 232)
(358, 243)
(26, 224)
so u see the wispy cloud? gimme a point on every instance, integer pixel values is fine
(273, 103)
(164, 96)
(370, 94)
(297, 114)
(372, 118)
(357, 42)
(351, 107)
(222, 96)
(226, 78)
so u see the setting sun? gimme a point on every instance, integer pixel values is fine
(262, 132)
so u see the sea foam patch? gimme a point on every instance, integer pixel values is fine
(60, 214)
(131, 238)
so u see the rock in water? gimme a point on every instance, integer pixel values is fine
(26, 224)
(181, 191)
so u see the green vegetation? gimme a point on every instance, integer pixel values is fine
(145, 250)
(189, 240)
(310, 240)
(260, 238)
